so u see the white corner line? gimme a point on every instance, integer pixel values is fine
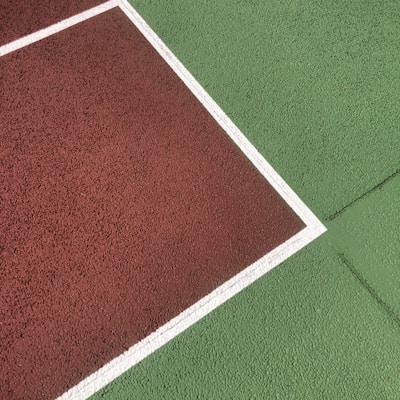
(57, 27)
(224, 121)
(314, 228)
(116, 367)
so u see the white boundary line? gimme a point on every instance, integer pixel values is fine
(230, 128)
(165, 333)
(58, 27)
(116, 367)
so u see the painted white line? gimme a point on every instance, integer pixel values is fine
(57, 27)
(224, 121)
(191, 315)
(165, 333)
(177, 325)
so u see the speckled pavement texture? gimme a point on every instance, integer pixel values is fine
(314, 86)
(123, 203)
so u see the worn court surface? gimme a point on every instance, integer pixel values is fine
(316, 90)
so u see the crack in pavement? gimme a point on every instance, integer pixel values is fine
(386, 307)
(377, 186)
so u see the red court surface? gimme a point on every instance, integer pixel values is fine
(123, 203)
(20, 18)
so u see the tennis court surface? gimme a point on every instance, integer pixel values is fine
(133, 208)
(124, 203)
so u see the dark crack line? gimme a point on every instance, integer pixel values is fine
(378, 186)
(386, 307)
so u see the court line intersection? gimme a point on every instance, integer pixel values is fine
(165, 333)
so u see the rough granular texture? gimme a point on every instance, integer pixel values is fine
(20, 18)
(122, 203)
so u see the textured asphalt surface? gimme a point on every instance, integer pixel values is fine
(315, 87)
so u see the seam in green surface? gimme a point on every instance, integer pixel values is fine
(377, 186)
(386, 307)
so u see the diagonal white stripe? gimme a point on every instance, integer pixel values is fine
(116, 367)
(224, 121)
(177, 325)
(57, 27)
(165, 333)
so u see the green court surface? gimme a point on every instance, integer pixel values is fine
(315, 87)
(369, 236)
(308, 330)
